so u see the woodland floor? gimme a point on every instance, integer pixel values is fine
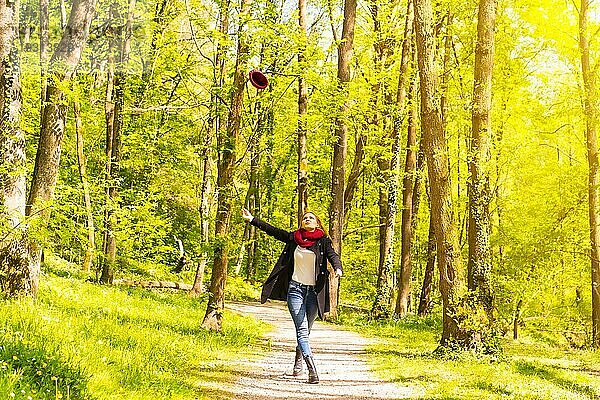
(339, 356)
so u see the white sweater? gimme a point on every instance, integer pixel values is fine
(304, 266)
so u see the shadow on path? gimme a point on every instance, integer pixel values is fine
(339, 356)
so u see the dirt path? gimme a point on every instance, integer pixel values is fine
(339, 356)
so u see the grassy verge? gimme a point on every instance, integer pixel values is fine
(527, 369)
(80, 340)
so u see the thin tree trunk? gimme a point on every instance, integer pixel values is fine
(63, 14)
(215, 131)
(408, 195)
(302, 113)
(253, 198)
(435, 148)
(16, 275)
(389, 169)
(355, 173)
(480, 265)
(81, 162)
(119, 48)
(425, 297)
(336, 210)
(109, 245)
(226, 145)
(516, 319)
(44, 44)
(590, 105)
(198, 287)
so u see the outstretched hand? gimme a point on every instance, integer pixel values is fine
(246, 215)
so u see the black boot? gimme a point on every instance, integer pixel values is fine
(312, 370)
(297, 363)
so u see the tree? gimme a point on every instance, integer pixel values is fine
(16, 276)
(434, 142)
(226, 145)
(479, 265)
(338, 175)
(118, 54)
(302, 114)
(409, 193)
(391, 167)
(61, 69)
(81, 163)
(590, 105)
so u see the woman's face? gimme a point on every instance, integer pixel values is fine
(309, 222)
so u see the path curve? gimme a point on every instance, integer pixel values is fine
(339, 356)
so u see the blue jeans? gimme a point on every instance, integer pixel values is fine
(302, 303)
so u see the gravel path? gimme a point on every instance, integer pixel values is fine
(339, 357)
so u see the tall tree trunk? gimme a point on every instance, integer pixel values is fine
(480, 265)
(426, 287)
(435, 148)
(590, 105)
(302, 114)
(109, 245)
(81, 162)
(226, 145)
(119, 48)
(408, 195)
(62, 66)
(215, 131)
(205, 189)
(253, 198)
(336, 209)
(16, 275)
(389, 189)
(383, 294)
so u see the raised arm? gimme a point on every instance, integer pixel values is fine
(269, 229)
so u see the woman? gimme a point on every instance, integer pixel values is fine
(301, 278)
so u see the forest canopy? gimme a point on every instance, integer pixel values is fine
(163, 135)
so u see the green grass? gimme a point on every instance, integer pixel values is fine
(527, 368)
(80, 340)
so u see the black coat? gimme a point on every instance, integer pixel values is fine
(276, 285)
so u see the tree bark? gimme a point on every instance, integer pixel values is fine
(480, 265)
(425, 297)
(205, 189)
(517, 319)
(17, 278)
(226, 145)
(253, 199)
(81, 163)
(355, 173)
(408, 195)
(44, 44)
(215, 131)
(590, 105)
(109, 245)
(435, 148)
(119, 48)
(302, 114)
(62, 66)
(336, 209)
(390, 170)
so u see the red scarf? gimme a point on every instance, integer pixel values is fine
(306, 238)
